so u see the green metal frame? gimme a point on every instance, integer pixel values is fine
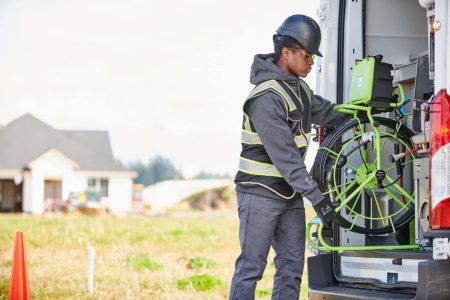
(324, 246)
(367, 181)
(355, 110)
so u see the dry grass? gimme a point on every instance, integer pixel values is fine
(135, 257)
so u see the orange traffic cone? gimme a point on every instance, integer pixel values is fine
(18, 285)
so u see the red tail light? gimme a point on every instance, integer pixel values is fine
(440, 161)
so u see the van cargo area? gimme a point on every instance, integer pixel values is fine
(410, 36)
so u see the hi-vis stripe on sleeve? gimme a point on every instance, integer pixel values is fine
(247, 122)
(273, 86)
(301, 141)
(251, 138)
(258, 168)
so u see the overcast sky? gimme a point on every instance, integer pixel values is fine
(162, 77)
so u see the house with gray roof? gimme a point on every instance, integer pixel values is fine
(39, 163)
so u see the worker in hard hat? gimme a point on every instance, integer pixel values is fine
(272, 178)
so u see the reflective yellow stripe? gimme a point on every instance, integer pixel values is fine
(273, 85)
(251, 138)
(307, 89)
(300, 141)
(258, 168)
(247, 122)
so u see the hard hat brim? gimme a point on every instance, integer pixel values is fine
(316, 52)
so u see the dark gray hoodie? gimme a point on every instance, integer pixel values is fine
(268, 115)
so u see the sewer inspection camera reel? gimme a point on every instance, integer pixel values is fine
(361, 165)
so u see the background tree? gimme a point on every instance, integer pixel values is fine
(209, 175)
(157, 169)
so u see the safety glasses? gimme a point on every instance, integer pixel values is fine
(305, 53)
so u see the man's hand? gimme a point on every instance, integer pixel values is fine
(325, 211)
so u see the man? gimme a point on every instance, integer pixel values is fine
(272, 178)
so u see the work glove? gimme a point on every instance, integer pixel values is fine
(325, 211)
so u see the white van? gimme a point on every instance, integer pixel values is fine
(411, 35)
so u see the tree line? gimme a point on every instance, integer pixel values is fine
(160, 168)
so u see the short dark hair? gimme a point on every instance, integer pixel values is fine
(280, 42)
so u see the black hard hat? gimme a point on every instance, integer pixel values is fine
(304, 30)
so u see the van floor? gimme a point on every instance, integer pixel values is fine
(405, 254)
(346, 293)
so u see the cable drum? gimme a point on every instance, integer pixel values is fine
(377, 201)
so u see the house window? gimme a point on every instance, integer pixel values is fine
(91, 184)
(99, 185)
(104, 187)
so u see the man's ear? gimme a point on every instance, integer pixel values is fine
(285, 52)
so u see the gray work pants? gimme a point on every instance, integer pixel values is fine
(265, 222)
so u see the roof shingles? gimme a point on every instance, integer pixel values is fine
(27, 138)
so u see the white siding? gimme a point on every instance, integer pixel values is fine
(27, 204)
(54, 165)
(51, 165)
(75, 183)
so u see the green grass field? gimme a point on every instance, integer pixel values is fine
(179, 257)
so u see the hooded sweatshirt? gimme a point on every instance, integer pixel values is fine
(268, 115)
